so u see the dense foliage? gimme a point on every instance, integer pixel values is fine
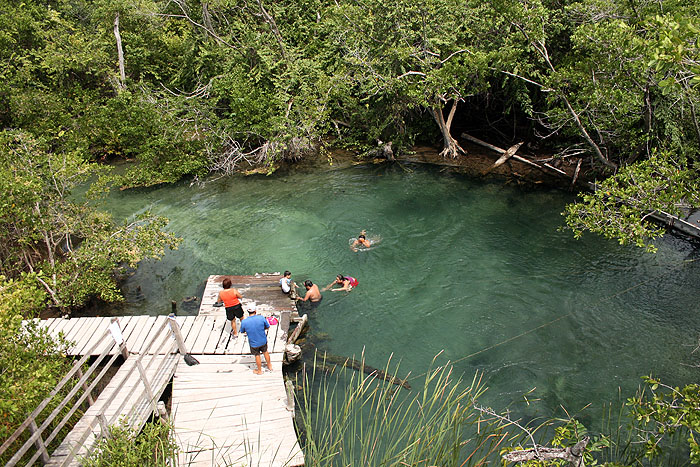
(185, 87)
(31, 362)
(154, 447)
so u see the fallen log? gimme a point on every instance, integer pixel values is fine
(506, 155)
(514, 156)
(573, 455)
(348, 362)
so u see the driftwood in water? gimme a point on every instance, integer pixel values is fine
(573, 455)
(297, 331)
(360, 366)
(506, 155)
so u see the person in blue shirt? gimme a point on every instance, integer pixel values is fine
(254, 326)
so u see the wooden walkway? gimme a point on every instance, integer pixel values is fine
(122, 400)
(203, 335)
(222, 413)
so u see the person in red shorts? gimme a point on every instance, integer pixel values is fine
(232, 301)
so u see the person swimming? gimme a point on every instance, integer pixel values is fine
(347, 282)
(361, 241)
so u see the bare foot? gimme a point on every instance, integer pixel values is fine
(257, 372)
(269, 369)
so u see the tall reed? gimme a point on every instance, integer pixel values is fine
(350, 419)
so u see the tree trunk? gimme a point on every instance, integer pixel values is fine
(451, 147)
(275, 30)
(120, 53)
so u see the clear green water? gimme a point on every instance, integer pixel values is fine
(464, 267)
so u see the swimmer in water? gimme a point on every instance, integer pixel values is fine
(361, 241)
(347, 282)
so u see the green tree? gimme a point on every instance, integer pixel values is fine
(31, 361)
(72, 249)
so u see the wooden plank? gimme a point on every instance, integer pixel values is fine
(143, 328)
(203, 337)
(129, 326)
(218, 331)
(222, 411)
(63, 326)
(87, 334)
(163, 338)
(52, 323)
(193, 335)
(73, 334)
(101, 325)
(135, 328)
(185, 325)
(82, 436)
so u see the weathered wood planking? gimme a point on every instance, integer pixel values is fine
(224, 414)
(206, 334)
(263, 289)
(130, 403)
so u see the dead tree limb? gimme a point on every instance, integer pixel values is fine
(506, 155)
(573, 455)
(120, 54)
(348, 362)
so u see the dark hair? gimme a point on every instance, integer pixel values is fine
(227, 283)
(341, 277)
(360, 236)
(287, 273)
(308, 283)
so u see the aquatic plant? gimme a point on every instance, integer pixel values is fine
(349, 418)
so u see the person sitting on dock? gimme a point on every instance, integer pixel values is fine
(347, 282)
(313, 295)
(288, 286)
(361, 241)
(231, 298)
(254, 326)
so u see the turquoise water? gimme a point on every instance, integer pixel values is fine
(476, 272)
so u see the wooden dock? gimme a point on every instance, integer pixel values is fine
(222, 413)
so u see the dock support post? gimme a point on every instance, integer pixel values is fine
(289, 386)
(285, 319)
(39, 443)
(103, 425)
(297, 331)
(162, 412)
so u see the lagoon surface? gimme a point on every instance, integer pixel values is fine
(476, 272)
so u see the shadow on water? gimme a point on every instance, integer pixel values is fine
(477, 272)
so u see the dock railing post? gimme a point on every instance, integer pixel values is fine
(90, 399)
(175, 328)
(118, 337)
(39, 443)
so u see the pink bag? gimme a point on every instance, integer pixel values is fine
(272, 320)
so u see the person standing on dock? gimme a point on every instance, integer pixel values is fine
(231, 298)
(254, 326)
